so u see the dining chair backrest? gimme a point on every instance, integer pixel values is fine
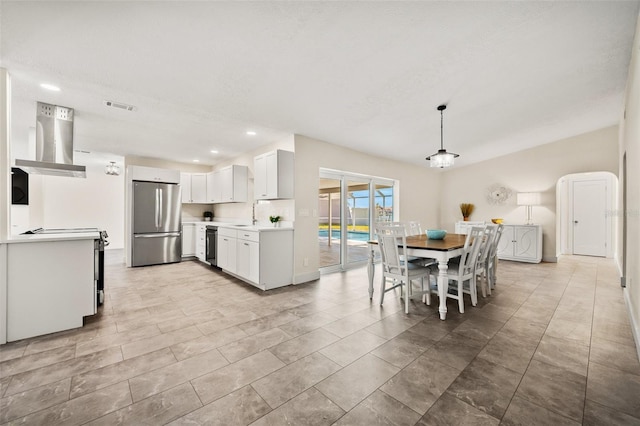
(496, 239)
(392, 242)
(414, 228)
(487, 243)
(471, 249)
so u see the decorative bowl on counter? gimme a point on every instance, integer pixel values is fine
(436, 234)
(497, 221)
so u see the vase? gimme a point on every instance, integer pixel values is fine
(466, 218)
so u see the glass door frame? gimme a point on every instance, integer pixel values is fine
(344, 177)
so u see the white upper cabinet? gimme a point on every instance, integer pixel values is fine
(199, 188)
(273, 175)
(228, 185)
(194, 187)
(214, 192)
(185, 187)
(152, 174)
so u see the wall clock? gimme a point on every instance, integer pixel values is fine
(498, 194)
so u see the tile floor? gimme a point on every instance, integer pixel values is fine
(182, 344)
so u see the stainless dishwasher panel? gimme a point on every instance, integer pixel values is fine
(211, 244)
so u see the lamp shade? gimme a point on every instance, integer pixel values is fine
(528, 198)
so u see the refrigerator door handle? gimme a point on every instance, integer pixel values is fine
(158, 235)
(161, 205)
(157, 208)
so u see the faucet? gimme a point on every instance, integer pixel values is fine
(253, 214)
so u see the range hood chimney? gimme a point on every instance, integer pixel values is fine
(54, 143)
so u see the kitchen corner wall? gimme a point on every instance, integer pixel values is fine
(283, 208)
(533, 170)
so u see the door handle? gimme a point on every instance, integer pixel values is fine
(160, 219)
(157, 208)
(575, 221)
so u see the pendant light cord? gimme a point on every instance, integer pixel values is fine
(441, 129)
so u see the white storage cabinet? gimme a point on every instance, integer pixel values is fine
(463, 227)
(522, 243)
(274, 175)
(262, 258)
(194, 187)
(188, 239)
(226, 249)
(151, 174)
(201, 243)
(228, 185)
(248, 256)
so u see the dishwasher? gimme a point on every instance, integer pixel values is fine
(211, 240)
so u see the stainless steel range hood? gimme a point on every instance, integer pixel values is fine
(54, 143)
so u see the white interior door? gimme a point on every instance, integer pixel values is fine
(589, 217)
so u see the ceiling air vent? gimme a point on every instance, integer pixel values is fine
(119, 105)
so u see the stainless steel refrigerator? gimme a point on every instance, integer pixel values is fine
(156, 223)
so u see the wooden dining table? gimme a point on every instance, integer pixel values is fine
(420, 246)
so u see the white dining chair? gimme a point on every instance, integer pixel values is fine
(414, 228)
(462, 273)
(481, 269)
(492, 259)
(392, 242)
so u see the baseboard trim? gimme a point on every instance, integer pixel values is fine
(304, 278)
(635, 325)
(550, 259)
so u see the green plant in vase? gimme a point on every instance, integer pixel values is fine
(274, 220)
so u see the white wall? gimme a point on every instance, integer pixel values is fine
(66, 202)
(630, 144)
(533, 170)
(418, 195)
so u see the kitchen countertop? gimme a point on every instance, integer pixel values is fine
(39, 238)
(257, 227)
(240, 226)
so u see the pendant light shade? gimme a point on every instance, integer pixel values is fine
(442, 158)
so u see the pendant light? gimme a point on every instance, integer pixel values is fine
(442, 158)
(112, 169)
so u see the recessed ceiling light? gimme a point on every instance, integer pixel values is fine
(196, 161)
(50, 87)
(251, 133)
(213, 151)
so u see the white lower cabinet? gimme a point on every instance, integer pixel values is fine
(248, 256)
(262, 258)
(521, 243)
(201, 243)
(188, 239)
(226, 249)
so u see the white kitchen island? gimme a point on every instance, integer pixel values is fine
(50, 283)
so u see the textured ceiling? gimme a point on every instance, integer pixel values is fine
(366, 75)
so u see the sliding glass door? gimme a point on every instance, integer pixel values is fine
(348, 205)
(329, 222)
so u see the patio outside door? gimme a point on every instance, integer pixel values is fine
(347, 206)
(329, 222)
(359, 213)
